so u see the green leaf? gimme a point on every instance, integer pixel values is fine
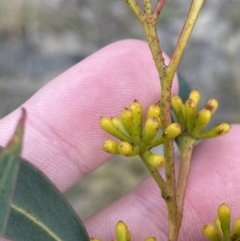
(39, 212)
(9, 167)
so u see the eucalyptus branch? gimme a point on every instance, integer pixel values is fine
(168, 196)
(170, 180)
(159, 7)
(147, 6)
(148, 22)
(186, 148)
(184, 37)
(174, 196)
(134, 7)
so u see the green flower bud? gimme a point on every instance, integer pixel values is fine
(202, 119)
(236, 229)
(125, 149)
(218, 226)
(154, 111)
(212, 105)
(119, 125)
(218, 130)
(150, 239)
(137, 111)
(150, 131)
(224, 215)
(190, 112)
(178, 108)
(172, 131)
(210, 232)
(156, 160)
(127, 120)
(195, 96)
(110, 146)
(123, 234)
(107, 125)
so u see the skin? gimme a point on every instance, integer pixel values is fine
(64, 140)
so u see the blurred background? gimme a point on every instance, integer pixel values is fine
(40, 39)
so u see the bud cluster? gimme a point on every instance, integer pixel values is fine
(135, 137)
(220, 230)
(192, 121)
(123, 233)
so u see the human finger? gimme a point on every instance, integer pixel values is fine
(63, 137)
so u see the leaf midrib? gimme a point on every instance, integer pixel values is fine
(35, 220)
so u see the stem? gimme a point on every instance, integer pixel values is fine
(147, 6)
(169, 159)
(152, 38)
(155, 174)
(186, 147)
(134, 7)
(174, 197)
(184, 37)
(167, 195)
(159, 7)
(148, 21)
(149, 27)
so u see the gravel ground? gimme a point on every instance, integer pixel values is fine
(40, 39)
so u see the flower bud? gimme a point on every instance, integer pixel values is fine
(218, 226)
(149, 132)
(218, 130)
(212, 105)
(172, 131)
(202, 119)
(210, 232)
(125, 149)
(236, 229)
(156, 160)
(150, 239)
(119, 125)
(190, 112)
(137, 111)
(224, 215)
(195, 96)
(127, 119)
(123, 234)
(178, 108)
(110, 146)
(154, 111)
(107, 125)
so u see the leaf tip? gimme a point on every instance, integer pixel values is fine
(15, 142)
